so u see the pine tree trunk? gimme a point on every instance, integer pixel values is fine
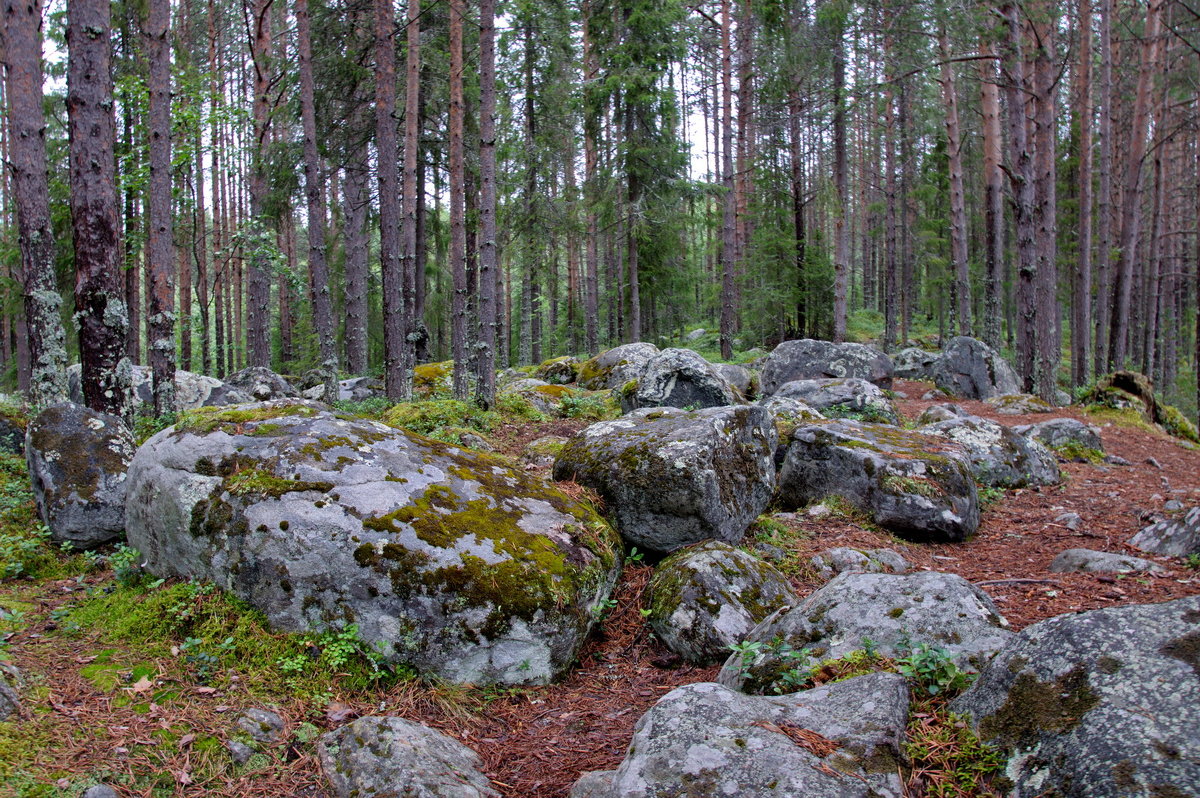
(729, 207)
(458, 234)
(357, 191)
(591, 254)
(841, 233)
(161, 246)
(397, 379)
(35, 237)
(1046, 332)
(958, 211)
(1104, 233)
(318, 269)
(414, 333)
(101, 312)
(1081, 293)
(993, 201)
(258, 330)
(485, 389)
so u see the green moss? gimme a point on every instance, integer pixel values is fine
(554, 391)
(427, 417)
(432, 378)
(1076, 452)
(1177, 424)
(257, 482)
(1186, 649)
(591, 374)
(204, 420)
(919, 486)
(1034, 707)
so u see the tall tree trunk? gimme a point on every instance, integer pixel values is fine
(161, 246)
(1104, 303)
(1046, 333)
(259, 329)
(958, 211)
(318, 269)
(1131, 204)
(485, 390)
(458, 233)
(841, 232)
(413, 256)
(358, 200)
(102, 316)
(590, 125)
(30, 190)
(1081, 293)
(729, 207)
(397, 377)
(993, 178)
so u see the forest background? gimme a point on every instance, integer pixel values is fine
(358, 187)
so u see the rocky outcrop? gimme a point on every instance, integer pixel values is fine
(914, 364)
(1065, 435)
(263, 384)
(679, 378)
(1102, 704)
(941, 412)
(969, 368)
(841, 740)
(78, 460)
(919, 486)
(1174, 537)
(615, 367)
(382, 756)
(558, 371)
(1019, 404)
(191, 390)
(832, 562)
(1100, 562)
(896, 612)
(809, 359)
(445, 559)
(741, 379)
(1000, 458)
(708, 596)
(671, 477)
(842, 398)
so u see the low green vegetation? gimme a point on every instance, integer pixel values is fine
(773, 532)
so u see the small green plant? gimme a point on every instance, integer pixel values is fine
(931, 670)
(373, 407)
(602, 608)
(145, 427)
(747, 651)
(1076, 452)
(126, 566)
(513, 405)
(590, 407)
(989, 495)
(951, 760)
(634, 556)
(1192, 561)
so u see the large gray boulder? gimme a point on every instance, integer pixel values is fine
(78, 459)
(913, 363)
(679, 378)
(615, 367)
(448, 560)
(671, 477)
(358, 389)
(1174, 537)
(918, 486)
(262, 384)
(388, 756)
(558, 370)
(1064, 435)
(1000, 457)
(809, 359)
(1100, 704)
(840, 740)
(191, 390)
(849, 397)
(740, 378)
(971, 369)
(709, 596)
(895, 611)
(12, 433)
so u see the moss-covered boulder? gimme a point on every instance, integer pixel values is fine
(741, 379)
(12, 431)
(191, 390)
(918, 486)
(848, 397)
(841, 740)
(841, 559)
(896, 612)
(262, 384)
(999, 456)
(810, 359)
(969, 368)
(1102, 704)
(679, 378)
(558, 370)
(541, 452)
(671, 477)
(1065, 435)
(544, 397)
(447, 560)
(709, 596)
(914, 363)
(615, 367)
(78, 460)
(1019, 404)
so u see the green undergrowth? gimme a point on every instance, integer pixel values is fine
(1076, 452)
(25, 548)
(772, 532)
(374, 407)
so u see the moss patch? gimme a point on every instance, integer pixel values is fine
(257, 482)
(204, 420)
(1034, 707)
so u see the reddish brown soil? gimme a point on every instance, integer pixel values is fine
(536, 742)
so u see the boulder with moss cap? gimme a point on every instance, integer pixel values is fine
(897, 612)
(448, 560)
(672, 477)
(679, 378)
(810, 359)
(840, 740)
(848, 397)
(1104, 703)
(709, 596)
(1000, 457)
(615, 367)
(918, 486)
(78, 460)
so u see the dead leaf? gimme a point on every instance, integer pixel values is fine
(142, 685)
(337, 712)
(183, 777)
(205, 690)
(186, 740)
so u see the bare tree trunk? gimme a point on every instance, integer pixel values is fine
(397, 378)
(458, 233)
(729, 207)
(357, 191)
(958, 212)
(102, 316)
(1104, 198)
(1081, 294)
(412, 272)
(485, 390)
(591, 255)
(1046, 332)
(993, 201)
(259, 330)
(318, 269)
(35, 236)
(161, 247)
(841, 256)
(1131, 205)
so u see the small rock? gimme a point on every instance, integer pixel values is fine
(819, 511)
(10, 702)
(476, 442)
(1100, 562)
(1172, 505)
(1151, 461)
(1071, 521)
(262, 725)
(832, 562)
(240, 752)
(1174, 537)
(1117, 460)
(99, 791)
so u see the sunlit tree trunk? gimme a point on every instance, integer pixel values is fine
(161, 246)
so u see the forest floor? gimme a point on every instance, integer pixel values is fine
(142, 714)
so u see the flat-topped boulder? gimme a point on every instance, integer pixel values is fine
(918, 486)
(810, 359)
(848, 397)
(999, 456)
(679, 378)
(969, 368)
(447, 560)
(263, 384)
(672, 477)
(1175, 537)
(615, 367)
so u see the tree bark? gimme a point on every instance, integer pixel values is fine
(102, 315)
(161, 251)
(1046, 317)
(413, 254)
(958, 211)
(1081, 294)
(397, 378)
(258, 331)
(993, 178)
(30, 190)
(485, 390)
(729, 207)
(841, 232)
(458, 234)
(1104, 197)
(358, 201)
(590, 125)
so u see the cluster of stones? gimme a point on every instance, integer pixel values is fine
(470, 569)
